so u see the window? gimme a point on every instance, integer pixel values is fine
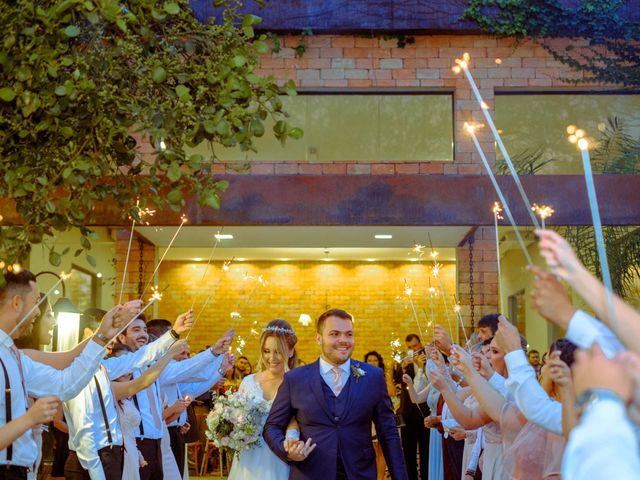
(394, 127)
(534, 130)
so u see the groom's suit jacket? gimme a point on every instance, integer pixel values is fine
(301, 396)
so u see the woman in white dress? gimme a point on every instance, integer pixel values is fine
(123, 388)
(277, 355)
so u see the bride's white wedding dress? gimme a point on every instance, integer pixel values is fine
(258, 462)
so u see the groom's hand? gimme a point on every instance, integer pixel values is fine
(297, 450)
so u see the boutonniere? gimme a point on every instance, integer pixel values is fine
(357, 372)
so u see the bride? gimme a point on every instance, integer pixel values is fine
(277, 355)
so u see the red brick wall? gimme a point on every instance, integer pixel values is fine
(346, 62)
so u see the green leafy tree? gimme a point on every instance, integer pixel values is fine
(611, 54)
(84, 84)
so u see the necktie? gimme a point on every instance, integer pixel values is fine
(337, 381)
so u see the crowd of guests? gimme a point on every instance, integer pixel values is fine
(493, 410)
(117, 402)
(489, 409)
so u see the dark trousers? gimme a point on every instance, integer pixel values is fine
(13, 472)
(455, 452)
(60, 453)
(341, 473)
(415, 438)
(152, 453)
(111, 458)
(177, 446)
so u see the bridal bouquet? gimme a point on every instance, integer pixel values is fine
(235, 422)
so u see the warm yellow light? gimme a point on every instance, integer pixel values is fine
(571, 129)
(432, 290)
(579, 133)
(464, 65)
(64, 276)
(16, 267)
(2, 264)
(583, 144)
(434, 254)
(408, 291)
(456, 69)
(498, 61)
(484, 105)
(466, 57)
(573, 139)
(456, 308)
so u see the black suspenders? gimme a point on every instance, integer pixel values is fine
(7, 405)
(104, 411)
(135, 401)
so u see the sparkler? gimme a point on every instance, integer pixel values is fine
(577, 136)
(183, 220)
(408, 292)
(463, 65)
(543, 211)
(435, 271)
(141, 213)
(63, 277)
(225, 268)
(213, 251)
(497, 209)
(155, 297)
(471, 130)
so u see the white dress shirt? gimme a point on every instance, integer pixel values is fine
(175, 391)
(40, 381)
(529, 396)
(326, 372)
(498, 382)
(603, 446)
(584, 330)
(195, 369)
(87, 432)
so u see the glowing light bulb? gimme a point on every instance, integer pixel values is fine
(498, 61)
(16, 267)
(571, 129)
(573, 139)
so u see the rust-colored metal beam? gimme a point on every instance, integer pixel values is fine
(396, 200)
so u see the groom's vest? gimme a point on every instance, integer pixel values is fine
(337, 405)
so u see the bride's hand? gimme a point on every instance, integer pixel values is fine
(299, 450)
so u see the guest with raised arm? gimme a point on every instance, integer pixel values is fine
(23, 377)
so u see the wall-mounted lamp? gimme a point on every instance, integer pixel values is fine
(67, 319)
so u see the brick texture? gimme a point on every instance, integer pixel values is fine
(373, 292)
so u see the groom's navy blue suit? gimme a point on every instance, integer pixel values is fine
(339, 426)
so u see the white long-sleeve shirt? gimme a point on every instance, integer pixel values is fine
(584, 330)
(194, 369)
(175, 391)
(40, 380)
(603, 446)
(87, 431)
(529, 396)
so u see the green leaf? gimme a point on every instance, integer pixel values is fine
(7, 94)
(67, 132)
(238, 60)
(85, 243)
(175, 196)
(174, 173)
(213, 200)
(71, 31)
(92, 261)
(50, 206)
(296, 133)
(78, 252)
(182, 91)
(61, 90)
(209, 126)
(261, 47)
(172, 8)
(55, 258)
(159, 75)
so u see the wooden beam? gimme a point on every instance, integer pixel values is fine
(394, 200)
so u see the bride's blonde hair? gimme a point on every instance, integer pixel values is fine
(285, 343)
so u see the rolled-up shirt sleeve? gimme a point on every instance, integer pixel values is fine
(584, 330)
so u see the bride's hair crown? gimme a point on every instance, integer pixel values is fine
(273, 328)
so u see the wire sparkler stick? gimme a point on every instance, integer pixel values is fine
(156, 297)
(213, 251)
(225, 268)
(409, 291)
(578, 136)
(471, 130)
(184, 220)
(496, 216)
(463, 65)
(435, 271)
(63, 277)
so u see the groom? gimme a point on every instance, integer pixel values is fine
(334, 401)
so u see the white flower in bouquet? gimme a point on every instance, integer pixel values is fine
(236, 420)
